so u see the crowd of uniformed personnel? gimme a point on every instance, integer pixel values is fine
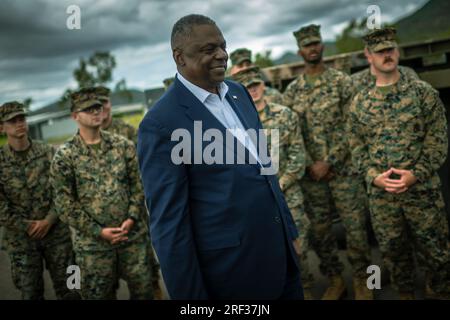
(370, 142)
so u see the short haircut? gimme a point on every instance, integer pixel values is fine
(183, 28)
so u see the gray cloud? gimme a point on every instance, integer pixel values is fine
(38, 52)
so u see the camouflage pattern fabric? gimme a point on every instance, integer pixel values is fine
(120, 127)
(101, 269)
(98, 188)
(322, 107)
(272, 95)
(406, 129)
(25, 195)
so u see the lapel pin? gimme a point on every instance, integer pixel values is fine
(234, 97)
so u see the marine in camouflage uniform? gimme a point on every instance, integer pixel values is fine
(403, 126)
(290, 161)
(120, 127)
(110, 124)
(322, 105)
(98, 187)
(241, 59)
(24, 197)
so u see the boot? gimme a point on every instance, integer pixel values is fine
(361, 290)
(336, 290)
(430, 294)
(407, 296)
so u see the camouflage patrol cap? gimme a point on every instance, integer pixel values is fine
(240, 55)
(102, 93)
(168, 81)
(380, 39)
(10, 110)
(248, 76)
(83, 99)
(307, 35)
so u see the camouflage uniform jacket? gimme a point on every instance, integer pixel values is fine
(272, 95)
(120, 127)
(25, 195)
(405, 129)
(98, 188)
(322, 109)
(364, 79)
(291, 150)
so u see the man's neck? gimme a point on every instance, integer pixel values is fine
(260, 105)
(19, 144)
(210, 88)
(387, 78)
(312, 69)
(90, 135)
(107, 123)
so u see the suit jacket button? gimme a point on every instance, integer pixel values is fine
(277, 219)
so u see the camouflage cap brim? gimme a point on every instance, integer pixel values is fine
(12, 115)
(252, 81)
(309, 40)
(87, 104)
(241, 60)
(103, 99)
(383, 45)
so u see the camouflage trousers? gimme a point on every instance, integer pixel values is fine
(348, 195)
(101, 270)
(411, 223)
(27, 269)
(303, 227)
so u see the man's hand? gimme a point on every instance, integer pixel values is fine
(407, 179)
(38, 229)
(396, 186)
(114, 235)
(127, 225)
(319, 170)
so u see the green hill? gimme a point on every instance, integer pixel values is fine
(432, 21)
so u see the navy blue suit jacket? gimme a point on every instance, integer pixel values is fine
(220, 231)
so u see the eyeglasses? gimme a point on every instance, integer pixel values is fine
(93, 109)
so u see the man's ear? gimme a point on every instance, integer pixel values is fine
(74, 116)
(1, 128)
(178, 57)
(368, 55)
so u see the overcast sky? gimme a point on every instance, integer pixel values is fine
(38, 53)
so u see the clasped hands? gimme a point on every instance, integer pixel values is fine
(320, 170)
(383, 181)
(117, 235)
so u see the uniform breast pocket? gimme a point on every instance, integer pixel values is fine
(411, 121)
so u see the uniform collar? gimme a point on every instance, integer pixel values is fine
(33, 152)
(105, 143)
